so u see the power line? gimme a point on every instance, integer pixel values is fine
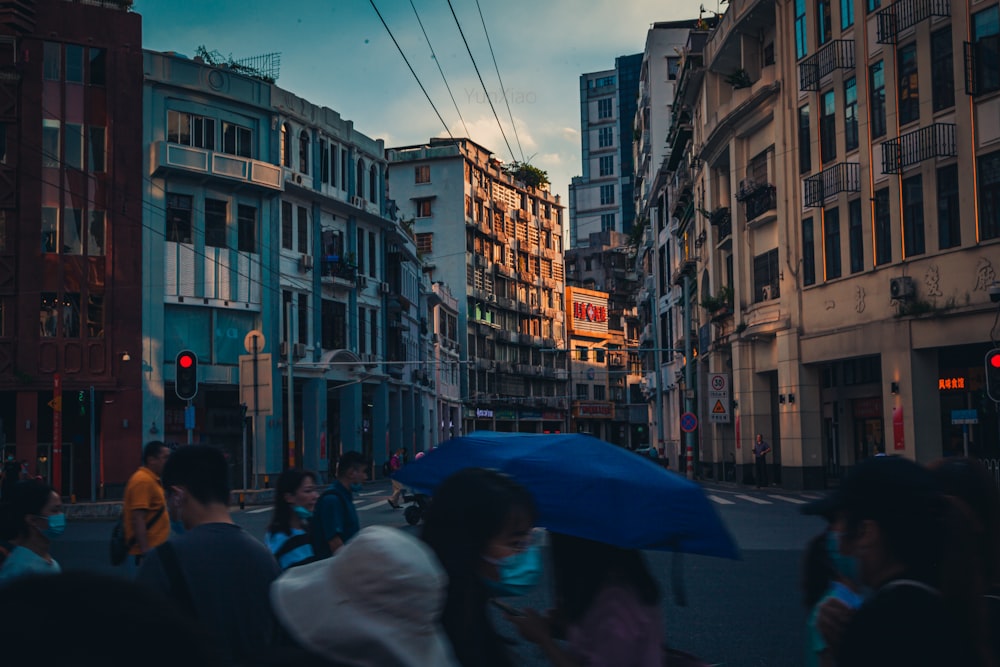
(443, 77)
(400, 49)
(483, 84)
(503, 90)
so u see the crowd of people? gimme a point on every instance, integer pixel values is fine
(907, 571)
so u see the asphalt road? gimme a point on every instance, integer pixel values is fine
(739, 613)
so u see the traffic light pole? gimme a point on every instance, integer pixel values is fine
(190, 429)
(291, 390)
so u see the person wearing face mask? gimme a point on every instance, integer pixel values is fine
(479, 525)
(826, 575)
(294, 501)
(336, 520)
(30, 518)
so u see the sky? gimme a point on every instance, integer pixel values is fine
(336, 53)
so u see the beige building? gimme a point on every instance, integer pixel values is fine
(839, 170)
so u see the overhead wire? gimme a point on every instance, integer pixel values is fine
(503, 91)
(438, 63)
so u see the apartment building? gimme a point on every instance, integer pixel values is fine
(497, 243)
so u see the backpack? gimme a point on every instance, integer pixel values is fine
(386, 469)
(118, 547)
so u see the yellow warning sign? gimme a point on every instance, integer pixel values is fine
(719, 409)
(56, 404)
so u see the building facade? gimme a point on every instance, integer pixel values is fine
(70, 229)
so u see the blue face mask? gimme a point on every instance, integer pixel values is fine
(302, 512)
(57, 525)
(846, 566)
(357, 488)
(519, 573)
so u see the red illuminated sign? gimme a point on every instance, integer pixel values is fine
(589, 312)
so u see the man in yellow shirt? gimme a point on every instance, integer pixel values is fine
(147, 524)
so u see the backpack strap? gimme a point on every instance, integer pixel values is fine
(149, 524)
(176, 582)
(291, 544)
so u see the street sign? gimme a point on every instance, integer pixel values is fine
(254, 342)
(263, 393)
(689, 422)
(964, 417)
(718, 398)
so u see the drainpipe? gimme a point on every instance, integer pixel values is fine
(688, 372)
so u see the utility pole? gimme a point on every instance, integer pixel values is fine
(688, 374)
(291, 390)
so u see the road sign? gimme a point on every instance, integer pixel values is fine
(964, 417)
(263, 393)
(718, 398)
(249, 340)
(689, 422)
(56, 404)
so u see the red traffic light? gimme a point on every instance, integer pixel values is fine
(185, 361)
(995, 361)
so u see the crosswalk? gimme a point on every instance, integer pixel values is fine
(765, 499)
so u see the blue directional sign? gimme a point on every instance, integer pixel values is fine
(689, 422)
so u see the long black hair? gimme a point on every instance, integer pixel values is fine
(288, 482)
(583, 567)
(469, 509)
(25, 498)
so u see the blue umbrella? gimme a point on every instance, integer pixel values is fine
(587, 488)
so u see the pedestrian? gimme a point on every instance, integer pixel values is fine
(607, 608)
(31, 516)
(336, 520)
(760, 451)
(826, 575)
(395, 463)
(24, 474)
(9, 475)
(913, 552)
(377, 604)
(146, 521)
(288, 533)
(215, 571)
(480, 527)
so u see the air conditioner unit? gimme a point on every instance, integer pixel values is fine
(305, 263)
(362, 282)
(298, 179)
(283, 348)
(299, 350)
(902, 288)
(383, 288)
(358, 202)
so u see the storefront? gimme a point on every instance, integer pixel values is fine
(969, 422)
(593, 417)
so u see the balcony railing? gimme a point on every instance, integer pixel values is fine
(937, 140)
(332, 266)
(758, 199)
(842, 177)
(904, 14)
(981, 72)
(838, 54)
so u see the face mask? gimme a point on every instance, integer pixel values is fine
(846, 566)
(518, 573)
(57, 524)
(302, 512)
(357, 488)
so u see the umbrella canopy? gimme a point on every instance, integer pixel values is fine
(587, 488)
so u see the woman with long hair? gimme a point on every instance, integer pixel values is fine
(288, 533)
(30, 518)
(480, 527)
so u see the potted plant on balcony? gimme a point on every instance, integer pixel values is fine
(719, 305)
(739, 79)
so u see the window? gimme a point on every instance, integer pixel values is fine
(805, 141)
(246, 228)
(605, 137)
(607, 194)
(52, 55)
(606, 165)
(422, 174)
(3, 233)
(808, 253)
(3, 144)
(333, 164)
(50, 143)
(48, 315)
(74, 146)
(190, 130)
(582, 391)
(913, 216)
(801, 40)
(599, 392)
(71, 238)
(286, 145)
(360, 179)
(423, 208)
(828, 128)
(303, 230)
(604, 108)
(286, 303)
(324, 162)
(824, 22)
(96, 231)
(215, 222)
(909, 88)
(361, 251)
(343, 169)
(850, 114)
(873, 5)
(98, 66)
(372, 250)
(373, 184)
(96, 150)
(286, 225)
(949, 223)
(74, 63)
(765, 276)
(237, 140)
(425, 243)
(846, 14)
(856, 236)
(883, 228)
(69, 314)
(986, 42)
(831, 245)
(179, 218)
(334, 325)
(373, 330)
(607, 222)
(673, 67)
(302, 325)
(95, 314)
(942, 70)
(304, 152)
(877, 94)
(989, 196)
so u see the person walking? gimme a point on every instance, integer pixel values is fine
(760, 451)
(294, 502)
(336, 520)
(395, 463)
(31, 516)
(147, 525)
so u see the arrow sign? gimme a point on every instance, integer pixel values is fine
(56, 404)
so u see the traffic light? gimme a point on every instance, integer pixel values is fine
(186, 383)
(993, 374)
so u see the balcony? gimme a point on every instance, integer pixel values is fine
(838, 54)
(231, 168)
(937, 140)
(333, 268)
(904, 14)
(842, 177)
(758, 199)
(724, 51)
